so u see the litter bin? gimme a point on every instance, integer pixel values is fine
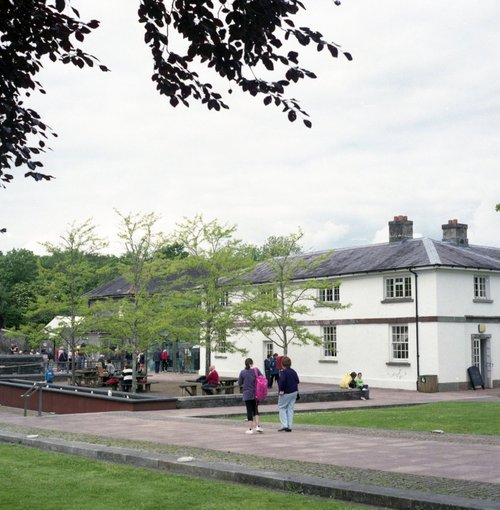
(428, 384)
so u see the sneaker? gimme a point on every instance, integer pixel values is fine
(282, 429)
(288, 430)
(363, 398)
(249, 431)
(259, 429)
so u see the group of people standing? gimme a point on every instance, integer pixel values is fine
(160, 359)
(288, 390)
(273, 365)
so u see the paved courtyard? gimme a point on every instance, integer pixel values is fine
(471, 459)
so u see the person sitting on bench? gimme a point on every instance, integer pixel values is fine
(128, 377)
(211, 382)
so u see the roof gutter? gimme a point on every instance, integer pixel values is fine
(417, 339)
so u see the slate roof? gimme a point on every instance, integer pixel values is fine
(405, 254)
(120, 287)
(399, 255)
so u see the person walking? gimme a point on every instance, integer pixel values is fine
(157, 360)
(288, 385)
(247, 380)
(164, 360)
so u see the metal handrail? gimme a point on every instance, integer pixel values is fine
(37, 386)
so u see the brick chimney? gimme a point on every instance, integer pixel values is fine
(400, 228)
(455, 233)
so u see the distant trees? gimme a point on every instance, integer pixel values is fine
(61, 287)
(254, 45)
(18, 275)
(199, 285)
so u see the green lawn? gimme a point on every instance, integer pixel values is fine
(451, 417)
(34, 479)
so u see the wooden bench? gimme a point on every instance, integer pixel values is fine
(145, 385)
(229, 390)
(190, 388)
(223, 390)
(112, 386)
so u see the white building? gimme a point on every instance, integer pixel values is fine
(418, 307)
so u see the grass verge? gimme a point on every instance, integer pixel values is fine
(49, 481)
(476, 418)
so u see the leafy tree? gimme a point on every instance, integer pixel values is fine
(275, 298)
(30, 31)
(215, 261)
(498, 207)
(241, 41)
(18, 276)
(153, 306)
(277, 246)
(63, 285)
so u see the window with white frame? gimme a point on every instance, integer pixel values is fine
(329, 341)
(268, 292)
(399, 343)
(329, 295)
(398, 287)
(269, 346)
(481, 287)
(221, 342)
(224, 299)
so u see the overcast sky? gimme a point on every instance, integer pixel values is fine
(411, 126)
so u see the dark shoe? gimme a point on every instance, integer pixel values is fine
(282, 429)
(288, 430)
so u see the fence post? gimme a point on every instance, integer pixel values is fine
(40, 388)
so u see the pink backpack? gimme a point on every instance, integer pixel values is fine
(260, 386)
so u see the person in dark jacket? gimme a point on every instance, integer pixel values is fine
(157, 360)
(267, 369)
(274, 371)
(288, 385)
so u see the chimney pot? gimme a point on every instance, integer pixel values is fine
(400, 229)
(455, 233)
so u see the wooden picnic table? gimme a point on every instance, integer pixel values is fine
(143, 383)
(191, 388)
(86, 377)
(228, 381)
(227, 385)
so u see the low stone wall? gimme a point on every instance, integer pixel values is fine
(63, 399)
(236, 400)
(60, 399)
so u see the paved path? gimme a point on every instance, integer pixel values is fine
(466, 458)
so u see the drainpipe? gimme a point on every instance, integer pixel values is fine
(416, 323)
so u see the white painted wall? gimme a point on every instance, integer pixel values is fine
(445, 347)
